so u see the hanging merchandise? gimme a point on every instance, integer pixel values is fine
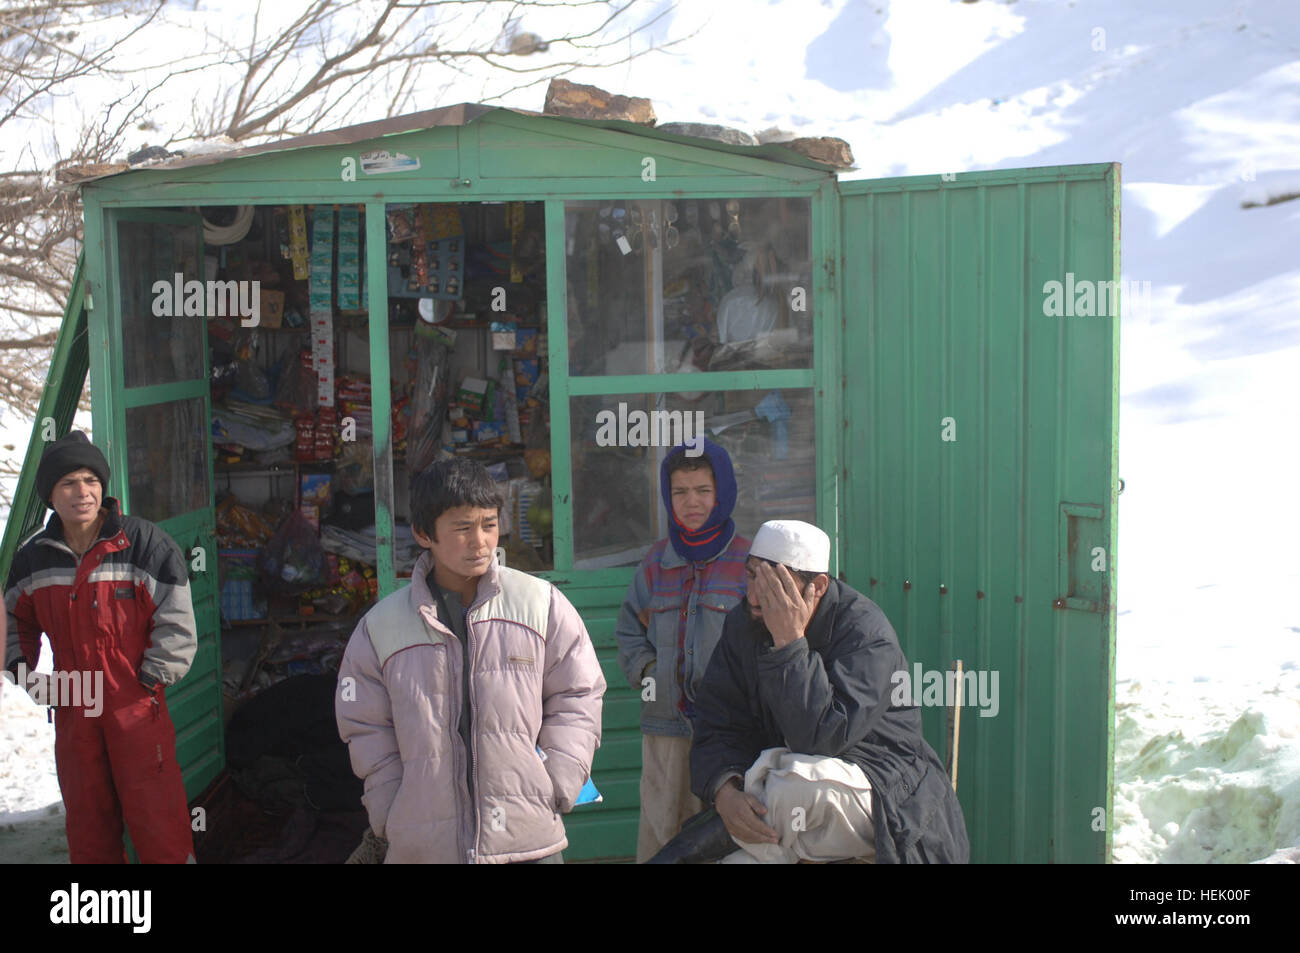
(349, 259)
(401, 224)
(232, 233)
(293, 560)
(446, 222)
(320, 289)
(355, 471)
(295, 389)
(424, 222)
(326, 433)
(355, 403)
(298, 242)
(509, 399)
(304, 444)
(418, 280)
(515, 220)
(429, 396)
(250, 380)
(447, 269)
(426, 252)
(240, 527)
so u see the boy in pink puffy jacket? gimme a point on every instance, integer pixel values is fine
(470, 700)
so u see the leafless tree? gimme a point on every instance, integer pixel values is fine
(45, 49)
(274, 74)
(339, 57)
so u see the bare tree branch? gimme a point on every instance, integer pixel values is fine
(289, 70)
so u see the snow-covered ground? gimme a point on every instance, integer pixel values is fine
(31, 811)
(1200, 101)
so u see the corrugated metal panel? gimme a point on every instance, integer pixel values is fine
(608, 830)
(972, 545)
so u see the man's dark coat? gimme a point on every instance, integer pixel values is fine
(829, 694)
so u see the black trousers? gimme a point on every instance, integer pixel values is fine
(556, 858)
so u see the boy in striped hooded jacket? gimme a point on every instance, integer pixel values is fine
(670, 622)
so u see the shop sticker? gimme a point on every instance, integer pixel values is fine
(381, 161)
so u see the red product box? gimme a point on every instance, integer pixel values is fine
(326, 428)
(304, 447)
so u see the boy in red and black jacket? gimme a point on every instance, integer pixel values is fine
(112, 594)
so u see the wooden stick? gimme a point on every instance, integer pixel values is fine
(956, 724)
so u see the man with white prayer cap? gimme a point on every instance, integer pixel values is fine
(797, 742)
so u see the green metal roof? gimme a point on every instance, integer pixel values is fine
(464, 114)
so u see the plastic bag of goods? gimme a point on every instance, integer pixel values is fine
(294, 559)
(428, 397)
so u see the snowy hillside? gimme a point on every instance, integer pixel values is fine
(1200, 101)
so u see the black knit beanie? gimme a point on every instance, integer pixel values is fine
(69, 453)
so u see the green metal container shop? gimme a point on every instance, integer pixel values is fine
(928, 369)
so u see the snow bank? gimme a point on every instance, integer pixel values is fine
(1225, 795)
(31, 809)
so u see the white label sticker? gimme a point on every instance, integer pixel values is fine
(381, 161)
(624, 245)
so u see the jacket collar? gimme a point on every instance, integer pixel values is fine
(823, 620)
(110, 529)
(671, 559)
(423, 599)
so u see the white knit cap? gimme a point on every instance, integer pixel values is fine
(793, 543)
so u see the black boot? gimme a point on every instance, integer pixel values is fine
(703, 839)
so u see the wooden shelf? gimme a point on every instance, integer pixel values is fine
(280, 469)
(291, 620)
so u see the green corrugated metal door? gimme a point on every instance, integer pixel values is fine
(157, 400)
(981, 396)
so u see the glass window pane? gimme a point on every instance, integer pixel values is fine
(618, 443)
(660, 286)
(167, 456)
(158, 350)
(469, 363)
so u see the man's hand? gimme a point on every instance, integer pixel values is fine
(740, 813)
(786, 610)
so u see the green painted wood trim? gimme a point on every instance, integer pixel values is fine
(106, 336)
(828, 397)
(467, 147)
(165, 393)
(163, 216)
(710, 380)
(1113, 197)
(380, 393)
(590, 578)
(612, 140)
(95, 254)
(110, 339)
(179, 192)
(557, 342)
(69, 364)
